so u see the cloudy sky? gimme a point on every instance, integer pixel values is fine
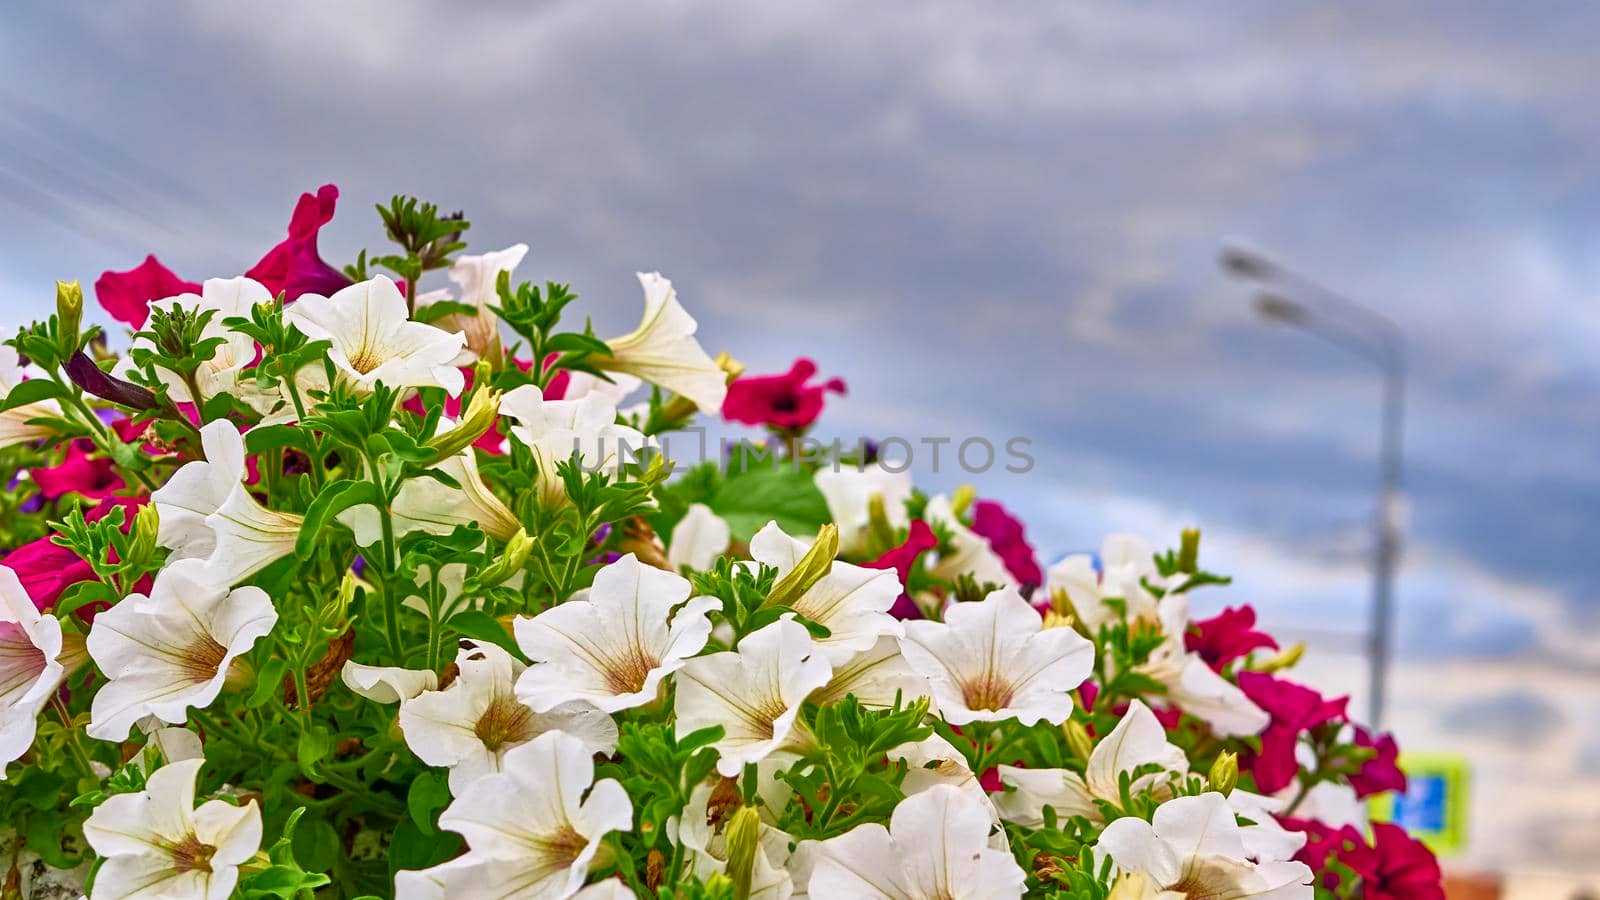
(991, 221)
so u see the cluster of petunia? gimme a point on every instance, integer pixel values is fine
(325, 585)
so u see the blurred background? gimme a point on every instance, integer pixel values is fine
(991, 221)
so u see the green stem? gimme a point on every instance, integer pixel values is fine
(79, 755)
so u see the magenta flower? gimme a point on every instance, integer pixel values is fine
(1008, 539)
(294, 267)
(78, 472)
(1395, 867)
(919, 541)
(1382, 772)
(1226, 637)
(127, 295)
(784, 402)
(1294, 709)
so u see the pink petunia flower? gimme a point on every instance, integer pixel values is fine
(1382, 772)
(127, 295)
(1008, 539)
(919, 541)
(1226, 637)
(78, 472)
(1294, 709)
(294, 266)
(785, 402)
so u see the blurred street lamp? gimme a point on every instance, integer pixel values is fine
(1291, 299)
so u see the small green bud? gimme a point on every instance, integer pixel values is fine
(812, 568)
(69, 313)
(146, 525)
(482, 411)
(962, 500)
(510, 562)
(1284, 660)
(1224, 775)
(1189, 551)
(743, 841)
(878, 527)
(1078, 739)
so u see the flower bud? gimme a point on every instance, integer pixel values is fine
(69, 314)
(511, 561)
(146, 524)
(961, 501)
(1224, 776)
(743, 840)
(1078, 739)
(878, 525)
(1284, 660)
(85, 374)
(1189, 551)
(812, 568)
(481, 414)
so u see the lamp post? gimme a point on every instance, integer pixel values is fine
(1291, 299)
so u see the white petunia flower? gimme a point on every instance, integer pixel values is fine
(477, 277)
(876, 677)
(754, 693)
(613, 647)
(1192, 685)
(531, 829)
(615, 386)
(852, 602)
(375, 340)
(992, 660)
(1137, 742)
(698, 539)
(16, 426)
(171, 650)
(970, 553)
(471, 725)
(663, 351)
(935, 848)
(849, 493)
(427, 504)
(226, 297)
(555, 429)
(33, 661)
(206, 511)
(1127, 563)
(707, 841)
(1194, 849)
(387, 684)
(1265, 840)
(934, 761)
(156, 843)
(174, 742)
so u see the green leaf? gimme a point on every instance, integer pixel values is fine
(428, 795)
(433, 312)
(479, 625)
(268, 682)
(751, 500)
(32, 391)
(314, 746)
(334, 499)
(281, 881)
(272, 437)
